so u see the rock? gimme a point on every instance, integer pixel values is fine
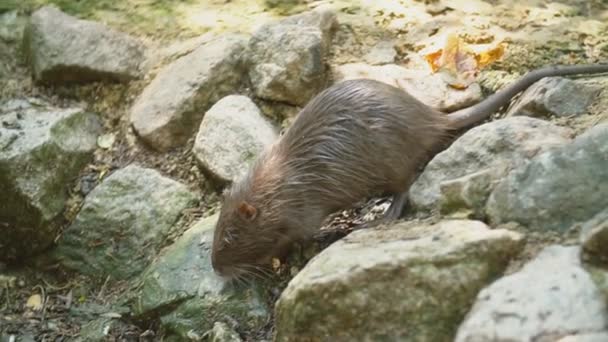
(61, 48)
(484, 153)
(21, 337)
(101, 329)
(558, 188)
(467, 195)
(555, 96)
(231, 135)
(594, 236)
(221, 332)
(430, 89)
(172, 105)
(541, 302)
(123, 223)
(182, 288)
(42, 150)
(288, 57)
(11, 26)
(406, 283)
(382, 53)
(591, 337)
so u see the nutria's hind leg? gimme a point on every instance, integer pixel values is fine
(396, 209)
(393, 213)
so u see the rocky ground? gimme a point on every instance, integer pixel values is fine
(115, 117)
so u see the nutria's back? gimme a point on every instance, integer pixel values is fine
(357, 138)
(353, 140)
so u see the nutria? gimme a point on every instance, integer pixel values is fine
(353, 140)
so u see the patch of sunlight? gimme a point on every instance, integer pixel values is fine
(239, 15)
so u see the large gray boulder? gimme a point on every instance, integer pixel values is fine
(232, 134)
(42, 150)
(405, 283)
(463, 176)
(555, 96)
(288, 57)
(551, 297)
(61, 48)
(183, 289)
(172, 105)
(557, 188)
(123, 223)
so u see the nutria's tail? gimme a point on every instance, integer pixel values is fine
(468, 116)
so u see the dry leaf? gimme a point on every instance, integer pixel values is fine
(459, 64)
(34, 302)
(487, 57)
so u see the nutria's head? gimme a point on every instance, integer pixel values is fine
(253, 227)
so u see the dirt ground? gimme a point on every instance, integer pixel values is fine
(40, 300)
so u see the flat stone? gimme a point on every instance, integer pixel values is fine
(61, 48)
(42, 150)
(381, 53)
(405, 283)
(543, 301)
(169, 109)
(123, 223)
(430, 89)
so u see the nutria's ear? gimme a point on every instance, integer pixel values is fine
(247, 211)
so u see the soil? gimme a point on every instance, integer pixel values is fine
(534, 29)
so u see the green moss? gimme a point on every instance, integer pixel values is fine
(147, 17)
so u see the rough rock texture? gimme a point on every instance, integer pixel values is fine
(382, 53)
(594, 236)
(431, 89)
(182, 276)
(483, 153)
(406, 283)
(11, 26)
(231, 135)
(592, 337)
(550, 298)
(221, 332)
(61, 48)
(555, 96)
(100, 330)
(172, 105)
(42, 150)
(557, 188)
(123, 223)
(288, 57)
(466, 196)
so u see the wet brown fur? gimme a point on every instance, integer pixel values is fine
(354, 140)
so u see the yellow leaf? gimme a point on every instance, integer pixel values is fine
(433, 59)
(34, 302)
(459, 64)
(487, 57)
